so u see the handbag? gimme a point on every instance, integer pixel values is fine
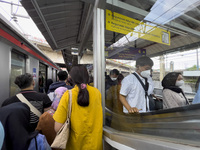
(62, 135)
(154, 103)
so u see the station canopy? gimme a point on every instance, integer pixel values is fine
(156, 26)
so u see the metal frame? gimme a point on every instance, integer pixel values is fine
(99, 54)
(38, 10)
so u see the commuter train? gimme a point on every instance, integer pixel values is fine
(19, 56)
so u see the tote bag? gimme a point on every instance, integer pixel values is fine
(62, 136)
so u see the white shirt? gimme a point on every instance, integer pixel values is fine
(135, 93)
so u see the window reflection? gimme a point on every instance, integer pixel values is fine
(17, 68)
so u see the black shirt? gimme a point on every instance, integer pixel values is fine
(38, 100)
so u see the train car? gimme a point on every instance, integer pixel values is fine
(19, 56)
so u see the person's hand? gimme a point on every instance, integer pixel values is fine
(133, 110)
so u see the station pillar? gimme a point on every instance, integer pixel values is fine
(162, 67)
(99, 52)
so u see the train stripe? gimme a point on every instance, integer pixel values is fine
(18, 43)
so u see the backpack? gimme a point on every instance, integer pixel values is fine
(39, 143)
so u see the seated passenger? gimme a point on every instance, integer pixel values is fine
(18, 134)
(196, 99)
(39, 100)
(46, 122)
(173, 95)
(62, 77)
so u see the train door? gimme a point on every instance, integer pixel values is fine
(42, 77)
(18, 67)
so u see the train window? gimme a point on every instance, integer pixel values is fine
(18, 65)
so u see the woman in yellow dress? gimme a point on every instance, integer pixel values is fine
(86, 116)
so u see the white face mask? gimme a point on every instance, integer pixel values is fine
(179, 83)
(146, 73)
(113, 79)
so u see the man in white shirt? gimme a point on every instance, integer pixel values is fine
(132, 93)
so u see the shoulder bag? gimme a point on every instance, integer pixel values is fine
(62, 135)
(153, 104)
(32, 108)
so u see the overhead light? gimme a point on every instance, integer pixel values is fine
(75, 49)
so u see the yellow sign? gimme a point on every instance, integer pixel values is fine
(122, 24)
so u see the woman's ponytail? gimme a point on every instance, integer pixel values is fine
(80, 77)
(83, 95)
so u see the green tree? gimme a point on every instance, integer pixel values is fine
(193, 68)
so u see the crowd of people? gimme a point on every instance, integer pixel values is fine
(34, 123)
(41, 115)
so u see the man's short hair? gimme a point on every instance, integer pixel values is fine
(62, 75)
(114, 71)
(24, 81)
(143, 61)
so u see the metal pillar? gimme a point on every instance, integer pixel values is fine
(162, 67)
(79, 59)
(197, 58)
(98, 53)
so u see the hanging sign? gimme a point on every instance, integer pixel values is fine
(125, 25)
(130, 53)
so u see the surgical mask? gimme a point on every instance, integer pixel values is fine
(113, 79)
(179, 83)
(146, 73)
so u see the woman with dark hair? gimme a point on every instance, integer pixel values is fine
(86, 113)
(173, 95)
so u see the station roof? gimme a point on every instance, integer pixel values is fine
(68, 23)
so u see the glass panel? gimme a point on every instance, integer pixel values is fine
(17, 68)
(168, 32)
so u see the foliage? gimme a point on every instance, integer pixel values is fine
(193, 68)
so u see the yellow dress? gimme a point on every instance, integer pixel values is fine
(86, 122)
